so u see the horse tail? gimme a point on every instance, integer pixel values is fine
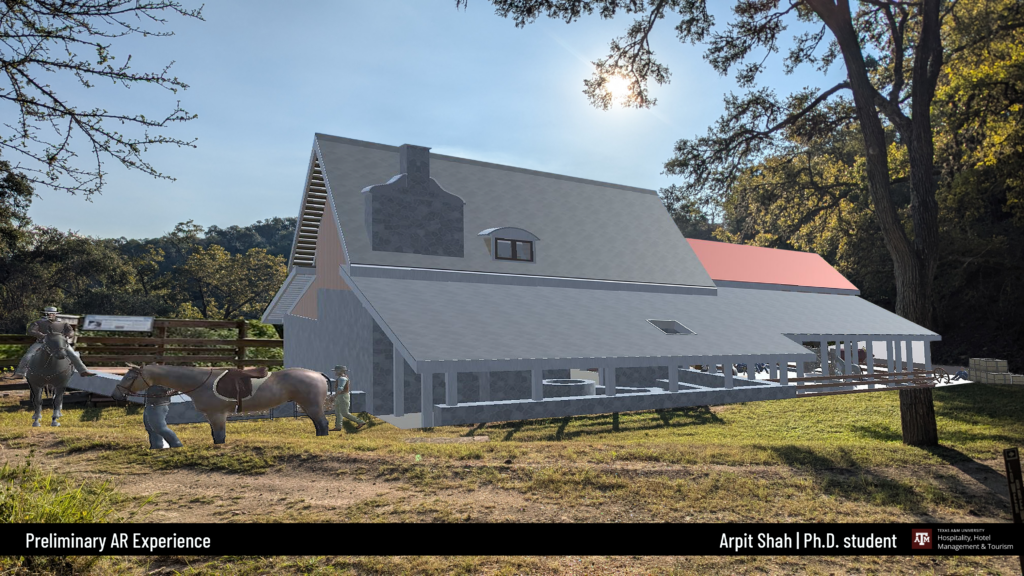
(329, 382)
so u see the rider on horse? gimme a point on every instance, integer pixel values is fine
(39, 329)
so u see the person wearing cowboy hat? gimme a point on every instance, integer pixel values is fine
(39, 329)
(343, 400)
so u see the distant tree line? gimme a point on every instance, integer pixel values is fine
(189, 272)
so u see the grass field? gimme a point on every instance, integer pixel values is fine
(826, 459)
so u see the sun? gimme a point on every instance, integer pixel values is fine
(618, 87)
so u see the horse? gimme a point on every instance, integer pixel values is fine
(306, 388)
(49, 368)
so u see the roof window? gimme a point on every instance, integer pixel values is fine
(671, 327)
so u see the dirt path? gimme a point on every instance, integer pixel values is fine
(355, 489)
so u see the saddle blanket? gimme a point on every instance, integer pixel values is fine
(256, 382)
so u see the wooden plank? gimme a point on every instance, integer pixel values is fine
(861, 383)
(119, 350)
(14, 386)
(179, 360)
(248, 342)
(861, 391)
(915, 373)
(16, 339)
(240, 350)
(181, 323)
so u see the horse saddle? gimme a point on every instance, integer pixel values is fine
(238, 385)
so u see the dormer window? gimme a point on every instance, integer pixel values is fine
(508, 249)
(509, 243)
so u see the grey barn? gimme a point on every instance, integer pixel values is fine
(459, 291)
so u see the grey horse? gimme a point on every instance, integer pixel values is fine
(306, 388)
(49, 368)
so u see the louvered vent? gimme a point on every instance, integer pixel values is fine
(312, 213)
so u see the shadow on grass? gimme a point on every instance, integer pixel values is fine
(91, 414)
(599, 424)
(838, 475)
(985, 475)
(880, 433)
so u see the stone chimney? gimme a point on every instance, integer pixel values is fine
(415, 162)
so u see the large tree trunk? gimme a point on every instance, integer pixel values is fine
(914, 262)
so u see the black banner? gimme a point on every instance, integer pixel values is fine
(514, 539)
(1011, 456)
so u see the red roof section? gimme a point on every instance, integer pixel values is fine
(742, 263)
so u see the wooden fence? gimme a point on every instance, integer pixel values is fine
(158, 347)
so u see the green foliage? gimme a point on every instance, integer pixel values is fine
(225, 286)
(27, 495)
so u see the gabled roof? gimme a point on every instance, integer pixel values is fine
(728, 263)
(591, 230)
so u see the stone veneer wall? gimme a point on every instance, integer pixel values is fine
(341, 336)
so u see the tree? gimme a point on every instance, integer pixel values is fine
(893, 56)
(43, 36)
(224, 286)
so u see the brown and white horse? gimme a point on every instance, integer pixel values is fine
(306, 388)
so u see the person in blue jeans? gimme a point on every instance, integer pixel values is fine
(343, 400)
(154, 418)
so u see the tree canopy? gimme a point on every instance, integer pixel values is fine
(74, 39)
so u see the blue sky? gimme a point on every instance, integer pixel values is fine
(265, 76)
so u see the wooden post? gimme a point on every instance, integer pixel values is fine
(243, 329)
(162, 335)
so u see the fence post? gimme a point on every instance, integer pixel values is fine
(161, 333)
(243, 328)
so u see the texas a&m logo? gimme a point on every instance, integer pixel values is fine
(922, 539)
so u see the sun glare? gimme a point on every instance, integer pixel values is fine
(618, 87)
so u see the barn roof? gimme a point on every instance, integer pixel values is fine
(588, 229)
(727, 263)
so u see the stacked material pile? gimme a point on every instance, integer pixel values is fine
(992, 371)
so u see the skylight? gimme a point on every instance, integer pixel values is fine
(671, 327)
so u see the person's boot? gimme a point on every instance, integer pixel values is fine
(87, 373)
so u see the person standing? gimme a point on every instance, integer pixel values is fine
(343, 400)
(39, 329)
(154, 418)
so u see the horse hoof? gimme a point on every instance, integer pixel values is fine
(36, 424)
(55, 423)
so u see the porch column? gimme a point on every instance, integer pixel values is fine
(427, 399)
(910, 355)
(728, 377)
(870, 356)
(850, 359)
(485, 386)
(751, 375)
(398, 374)
(451, 388)
(890, 356)
(784, 372)
(771, 370)
(608, 379)
(927, 354)
(538, 384)
(673, 377)
(824, 358)
(898, 356)
(799, 368)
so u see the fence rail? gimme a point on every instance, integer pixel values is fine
(118, 350)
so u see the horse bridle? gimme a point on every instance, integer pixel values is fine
(138, 374)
